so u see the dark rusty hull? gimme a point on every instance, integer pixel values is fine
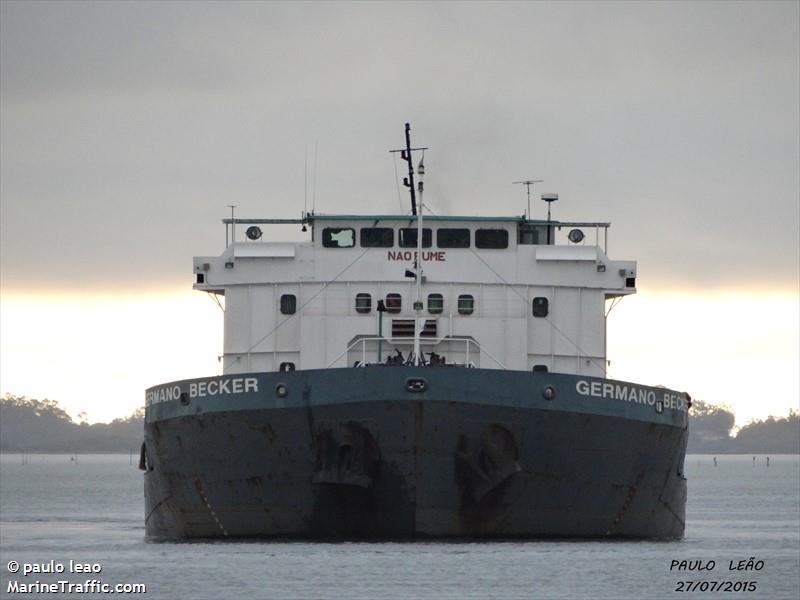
(410, 466)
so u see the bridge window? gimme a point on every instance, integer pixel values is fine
(363, 303)
(377, 237)
(452, 238)
(540, 306)
(435, 303)
(466, 304)
(394, 302)
(408, 237)
(528, 234)
(491, 238)
(338, 237)
(288, 304)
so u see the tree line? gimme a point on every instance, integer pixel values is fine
(711, 426)
(43, 426)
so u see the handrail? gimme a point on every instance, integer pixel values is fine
(560, 224)
(597, 227)
(410, 341)
(240, 221)
(308, 218)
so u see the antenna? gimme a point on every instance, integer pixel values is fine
(305, 182)
(233, 226)
(314, 193)
(406, 156)
(528, 183)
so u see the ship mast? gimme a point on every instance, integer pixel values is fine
(409, 183)
(419, 321)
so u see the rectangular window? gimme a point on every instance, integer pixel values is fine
(528, 235)
(466, 304)
(435, 303)
(540, 306)
(377, 237)
(491, 238)
(338, 237)
(288, 304)
(408, 237)
(363, 303)
(394, 303)
(452, 238)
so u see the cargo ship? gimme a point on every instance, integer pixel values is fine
(414, 376)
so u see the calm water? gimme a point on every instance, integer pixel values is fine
(92, 512)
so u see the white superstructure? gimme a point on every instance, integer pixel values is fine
(498, 292)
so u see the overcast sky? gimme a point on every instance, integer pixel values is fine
(127, 128)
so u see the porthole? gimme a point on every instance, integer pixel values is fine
(541, 306)
(466, 304)
(288, 304)
(394, 303)
(435, 304)
(363, 303)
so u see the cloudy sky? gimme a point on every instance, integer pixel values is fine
(126, 129)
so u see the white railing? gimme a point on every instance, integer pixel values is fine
(559, 225)
(391, 344)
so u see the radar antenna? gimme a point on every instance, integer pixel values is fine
(528, 183)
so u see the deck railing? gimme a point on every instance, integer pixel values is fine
(386, 345)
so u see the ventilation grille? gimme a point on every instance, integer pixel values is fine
(405, 328)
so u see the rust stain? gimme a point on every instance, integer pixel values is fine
(626, 503)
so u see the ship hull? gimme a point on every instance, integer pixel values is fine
(405, 453)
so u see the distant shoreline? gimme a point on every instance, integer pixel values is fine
(7, 452)
(43, 427)
(135, 453)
